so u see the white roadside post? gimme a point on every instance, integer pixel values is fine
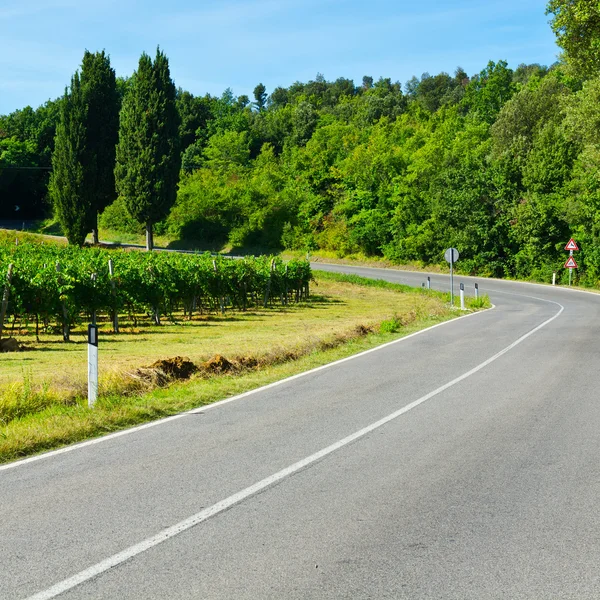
(451, 255)
(554, 278)
(92, 365)
(477, 291)
(429, 283)
(462, 296)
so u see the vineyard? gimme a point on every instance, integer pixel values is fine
(58, 287)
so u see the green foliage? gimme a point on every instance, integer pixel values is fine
(26, 145)
(116, 218)
(82, 182)
(19, 180)
(69, 167)
(304, 123)
(486, 93)
(227, 149)
(576, 24)
(392, 325)
(148, 156)
(503, 164)
(260, 96)
(100, 94)
(156, 283)
(195, 113)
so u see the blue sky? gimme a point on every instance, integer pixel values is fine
(215, 44)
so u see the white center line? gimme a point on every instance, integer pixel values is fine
(207, 513)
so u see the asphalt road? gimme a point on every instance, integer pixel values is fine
(460, 463)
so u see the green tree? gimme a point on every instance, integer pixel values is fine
(100, 94)
(227, 150)
(304, 121)
(19, 179)
(260, 96)
(67, 184)
(576, 24)
(486, 93)
(194, 113)
(148, 157)
(25, 187)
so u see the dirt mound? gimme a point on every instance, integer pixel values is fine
(10, 345)
(218, 364)
(361, 330)
(177, 367)
(165, 371)
(248, 362)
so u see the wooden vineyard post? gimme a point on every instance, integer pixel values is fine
(94, 277)
(268, 289)
(219, 288)
(115, 314)
(5, 297)
(66, 330)
(156, 307)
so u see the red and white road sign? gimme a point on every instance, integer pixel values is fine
(571, 245)
(571, 264)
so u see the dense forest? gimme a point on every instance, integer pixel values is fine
(503, 164)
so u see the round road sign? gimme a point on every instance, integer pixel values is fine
(451, 255)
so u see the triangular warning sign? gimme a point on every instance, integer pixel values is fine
(571, 245)
(571, 264)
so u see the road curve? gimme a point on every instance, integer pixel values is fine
(458, 463)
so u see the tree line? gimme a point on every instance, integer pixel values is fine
(502, 164)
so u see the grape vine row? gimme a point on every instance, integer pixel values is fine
(64, 286)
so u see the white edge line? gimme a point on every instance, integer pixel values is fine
(204, 408)
(223, 505)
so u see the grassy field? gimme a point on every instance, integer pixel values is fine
(43, 389)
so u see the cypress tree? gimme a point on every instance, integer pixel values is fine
(99, 87)
(148, 157)
(67, 185)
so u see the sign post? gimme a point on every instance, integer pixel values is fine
(92, 365)
(451, 255)
(571, 264)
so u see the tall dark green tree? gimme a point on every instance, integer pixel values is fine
(67, 183)
(99, 88)
(148, 156)
(260, 96)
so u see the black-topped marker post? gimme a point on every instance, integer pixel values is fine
(451, 255)
(92, 365)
